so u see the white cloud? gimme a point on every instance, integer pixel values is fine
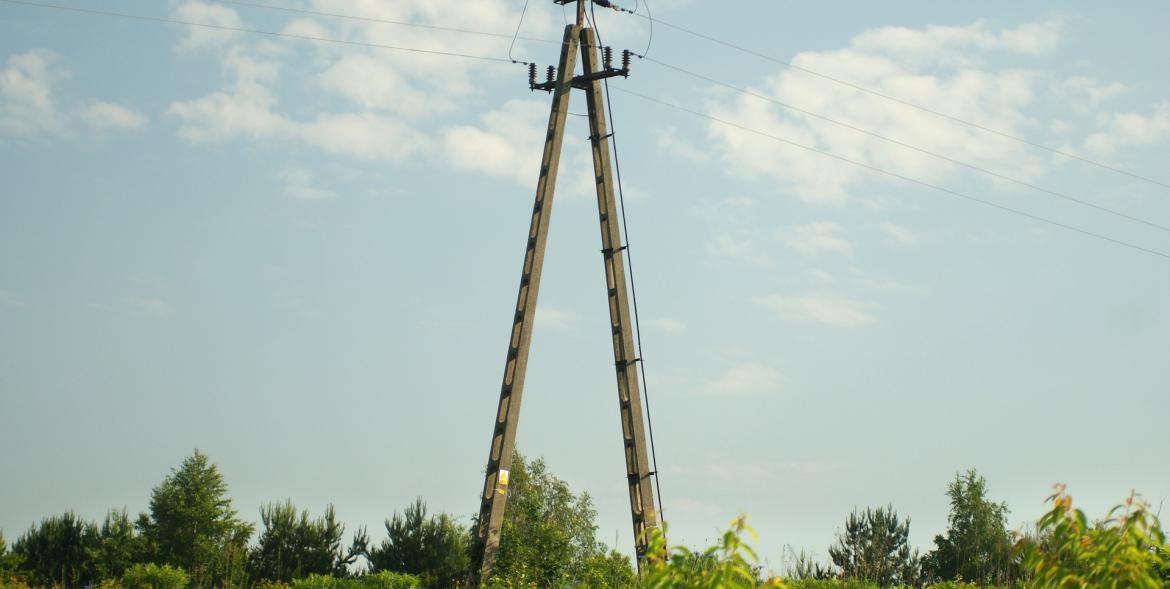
(27, 105)
(819, 236)
(745, 379)
(508, 143)
(298, 184)
(554, 318)
(217, 15)
(941, 42)
(900, 234)
(669, 326)
(247, 110)
(1130, 128)
(107, 115)
(828, 310)
(934, 67)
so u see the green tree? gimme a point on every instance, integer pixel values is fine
(9, 561)
(549, 535)
(119, 546)
(61, 550)
(292, 545)
(192, 524)
(875, 547)
(977, 545)
(433, 548)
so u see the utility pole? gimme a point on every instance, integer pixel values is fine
(560, 82)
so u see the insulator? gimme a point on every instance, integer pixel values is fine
(625, 60)
(531, 75)
(607, 57)
(552, 72)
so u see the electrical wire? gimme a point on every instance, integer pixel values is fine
(896, 175)
(253, 31)
(633, 287)
(937, 113)
(862, 130)
(517, 34)
(386, 20)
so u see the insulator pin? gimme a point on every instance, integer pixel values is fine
(531, 75)
(607, 57)
(625, 60)
(552, 72)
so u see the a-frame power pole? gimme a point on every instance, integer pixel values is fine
(560, 83)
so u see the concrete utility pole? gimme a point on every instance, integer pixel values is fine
(560, 83)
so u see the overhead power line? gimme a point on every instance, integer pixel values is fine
(386, 21)
(176, 21)
(910, 104)
(879, 136)
(896, 175)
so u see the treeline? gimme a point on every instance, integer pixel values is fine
(192, 538)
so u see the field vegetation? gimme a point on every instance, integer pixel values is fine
(191, 537)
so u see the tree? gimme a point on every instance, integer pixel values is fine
(9, 561)
(293, 546)
(61, 550)
(192, 524)
(549, 535)
(977, 545)
(119, 546)
(875, 547)
(433, 548)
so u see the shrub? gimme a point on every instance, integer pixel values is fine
(379, 580)
(153, 576)
(730, 564)
(1127, 549)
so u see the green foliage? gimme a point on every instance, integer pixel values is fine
(379, 580)
(434, 548)
(293, 546)
(9, 563)
(831, 584)
(875, 546)
(730, 564)
(1126, 550)
(119, 546)
(977, 545)
(549, 535)
(60, 550)
(153, 576)
(192, 524)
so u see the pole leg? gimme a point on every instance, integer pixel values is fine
(624, 353)
(491, 511)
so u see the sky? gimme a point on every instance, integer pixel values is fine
(301, 257)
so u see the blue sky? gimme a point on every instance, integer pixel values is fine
(300, 258)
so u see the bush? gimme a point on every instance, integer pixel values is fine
(153, 576)
(730, 564)
(380, 580)
(1126, 549)
(831, 584)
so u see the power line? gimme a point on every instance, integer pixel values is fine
(977, 168)
(517, 34)
(253, 31)
(896, 175)
(910, 104)
(387, 21)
